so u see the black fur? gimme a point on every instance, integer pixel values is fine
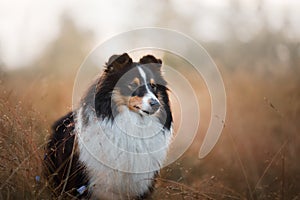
(61, 149)
(58, 157)
(101, 92)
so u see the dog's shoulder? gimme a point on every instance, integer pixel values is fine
(62, 138)
(64, 125)
(61, 150)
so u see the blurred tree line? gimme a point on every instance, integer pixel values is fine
(63, 56)
(265, 52)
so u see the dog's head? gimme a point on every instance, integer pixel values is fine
(137, 85)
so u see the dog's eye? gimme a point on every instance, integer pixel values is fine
(153, 86)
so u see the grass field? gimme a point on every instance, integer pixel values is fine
(257, 156)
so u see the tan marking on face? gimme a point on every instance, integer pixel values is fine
(119, 99)
(152, 82)
(135, 83)
(136, 80)
(135, 103)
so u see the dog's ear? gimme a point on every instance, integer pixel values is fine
(118, 62)
(149, 59)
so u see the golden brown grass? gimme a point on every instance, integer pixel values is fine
(25, 119)
(257, 156)
(21, 139)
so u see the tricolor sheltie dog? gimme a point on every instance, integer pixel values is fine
(114, 144)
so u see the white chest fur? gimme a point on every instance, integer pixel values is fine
(122, 156)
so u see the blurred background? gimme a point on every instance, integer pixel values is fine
(255, 44)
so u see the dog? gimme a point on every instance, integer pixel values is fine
(114, 144)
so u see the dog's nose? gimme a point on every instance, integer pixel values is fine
(154, 103)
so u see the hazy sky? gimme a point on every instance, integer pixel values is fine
(27, 26)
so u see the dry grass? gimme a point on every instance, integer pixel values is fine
(257, 156)
(22, 141)
(25, 119)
